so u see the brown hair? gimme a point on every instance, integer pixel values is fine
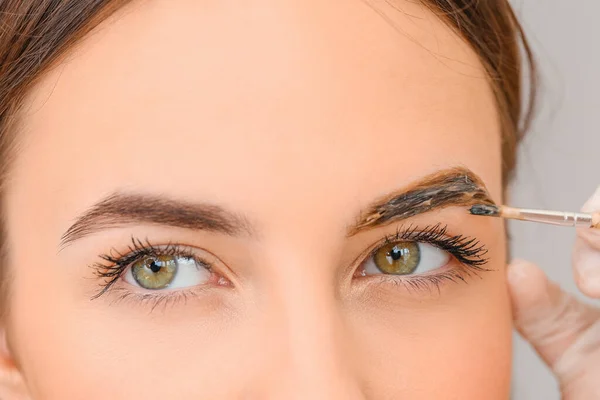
(494, 32)
(35, 34)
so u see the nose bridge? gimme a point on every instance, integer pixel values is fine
(312, 347)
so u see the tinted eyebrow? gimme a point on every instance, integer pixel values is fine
(450, 187)
(120, 209)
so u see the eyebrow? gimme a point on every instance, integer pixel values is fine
(450, 187)
(121, 208)
(457, 186)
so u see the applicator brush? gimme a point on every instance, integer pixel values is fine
(543, 216)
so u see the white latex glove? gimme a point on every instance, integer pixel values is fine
(564, 331)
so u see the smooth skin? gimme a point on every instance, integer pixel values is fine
(296, 115)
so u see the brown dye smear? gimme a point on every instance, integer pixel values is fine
(451, 187)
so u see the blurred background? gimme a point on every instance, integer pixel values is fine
(559, 164)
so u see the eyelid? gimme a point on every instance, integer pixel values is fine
(118, 263)
(150, 250)
(471, 252)
(473, 249)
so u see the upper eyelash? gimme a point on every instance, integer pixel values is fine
(118, 262)
(468, 251)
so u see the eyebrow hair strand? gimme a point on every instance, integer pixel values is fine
(120, 209)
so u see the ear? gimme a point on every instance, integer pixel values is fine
(12, 384)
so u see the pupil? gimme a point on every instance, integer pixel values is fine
(396, 254)
(154, 267)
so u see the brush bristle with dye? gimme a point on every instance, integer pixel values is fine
(485, 210)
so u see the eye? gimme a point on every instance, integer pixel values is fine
(405, 258)
(167, 272)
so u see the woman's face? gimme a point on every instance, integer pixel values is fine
(190, 212)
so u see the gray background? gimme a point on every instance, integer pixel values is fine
(559, 164)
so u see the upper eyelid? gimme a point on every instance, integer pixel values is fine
(415, 233)
(118, 259)
(117, 270)
(148, 250)
(137, 246)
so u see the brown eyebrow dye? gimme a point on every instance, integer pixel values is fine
(456, 187)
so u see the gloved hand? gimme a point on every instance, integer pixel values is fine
(564, 331)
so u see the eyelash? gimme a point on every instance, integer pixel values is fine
(467, 251)
(119, 262)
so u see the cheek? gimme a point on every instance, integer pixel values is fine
(69, 347)
(464, 352)
(71, 350)
(459, 343)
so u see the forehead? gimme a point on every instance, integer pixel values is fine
(258, 103)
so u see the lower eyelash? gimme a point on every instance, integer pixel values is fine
(153, 300)
(420, 283)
